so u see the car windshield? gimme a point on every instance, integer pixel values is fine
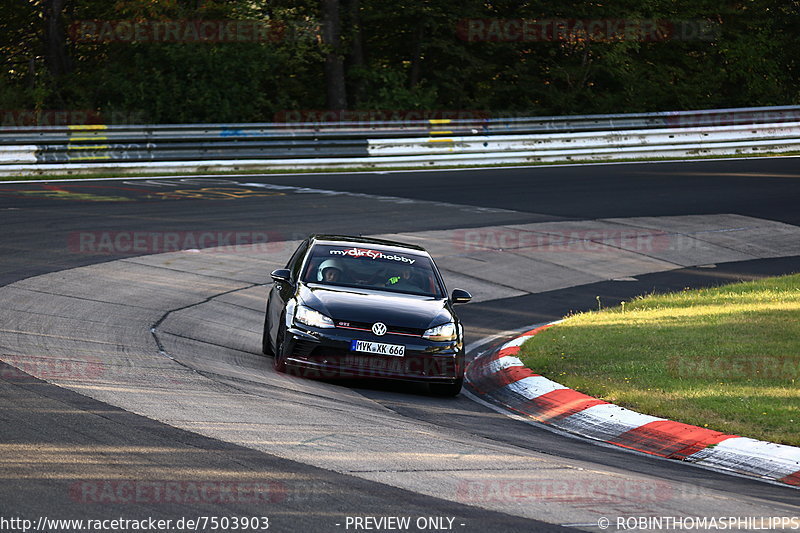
(373, 268)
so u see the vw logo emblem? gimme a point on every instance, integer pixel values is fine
(379, 329)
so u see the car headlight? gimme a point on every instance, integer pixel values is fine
(309, 317)
(445, 332)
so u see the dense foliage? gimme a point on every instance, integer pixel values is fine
(394, 56)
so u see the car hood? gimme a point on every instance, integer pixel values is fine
(368, 306)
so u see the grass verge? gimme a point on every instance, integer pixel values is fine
(725, 358)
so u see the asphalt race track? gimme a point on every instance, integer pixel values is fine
(132, 386)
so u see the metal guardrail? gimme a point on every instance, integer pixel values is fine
(591, 141)
(34, 150)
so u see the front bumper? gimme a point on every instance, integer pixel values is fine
(326, 354)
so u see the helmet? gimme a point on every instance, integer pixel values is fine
(328, 263)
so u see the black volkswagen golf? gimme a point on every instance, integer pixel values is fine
(352, 307)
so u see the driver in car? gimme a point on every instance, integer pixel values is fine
(403, 280)
(330, 270)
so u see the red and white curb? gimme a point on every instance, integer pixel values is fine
(501, 377)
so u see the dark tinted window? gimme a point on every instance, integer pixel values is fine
(372, 268)
(296, 262)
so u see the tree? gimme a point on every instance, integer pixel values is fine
(55, 38)
(334, 60)
(403, 55)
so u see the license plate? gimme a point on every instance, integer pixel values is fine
(377, 348)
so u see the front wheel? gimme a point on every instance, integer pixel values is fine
(447, 389)
(279, 361)
(266, 346)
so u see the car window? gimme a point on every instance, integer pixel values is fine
(296, 261)
(373, 268)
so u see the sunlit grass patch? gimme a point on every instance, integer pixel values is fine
(725, 358)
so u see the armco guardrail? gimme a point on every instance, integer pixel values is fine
(183, 147)
(595, 142)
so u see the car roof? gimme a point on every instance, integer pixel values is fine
(358, 240)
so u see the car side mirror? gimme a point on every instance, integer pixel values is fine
(282, 274)
(460, 296)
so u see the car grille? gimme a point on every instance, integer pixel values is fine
(391, 330)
